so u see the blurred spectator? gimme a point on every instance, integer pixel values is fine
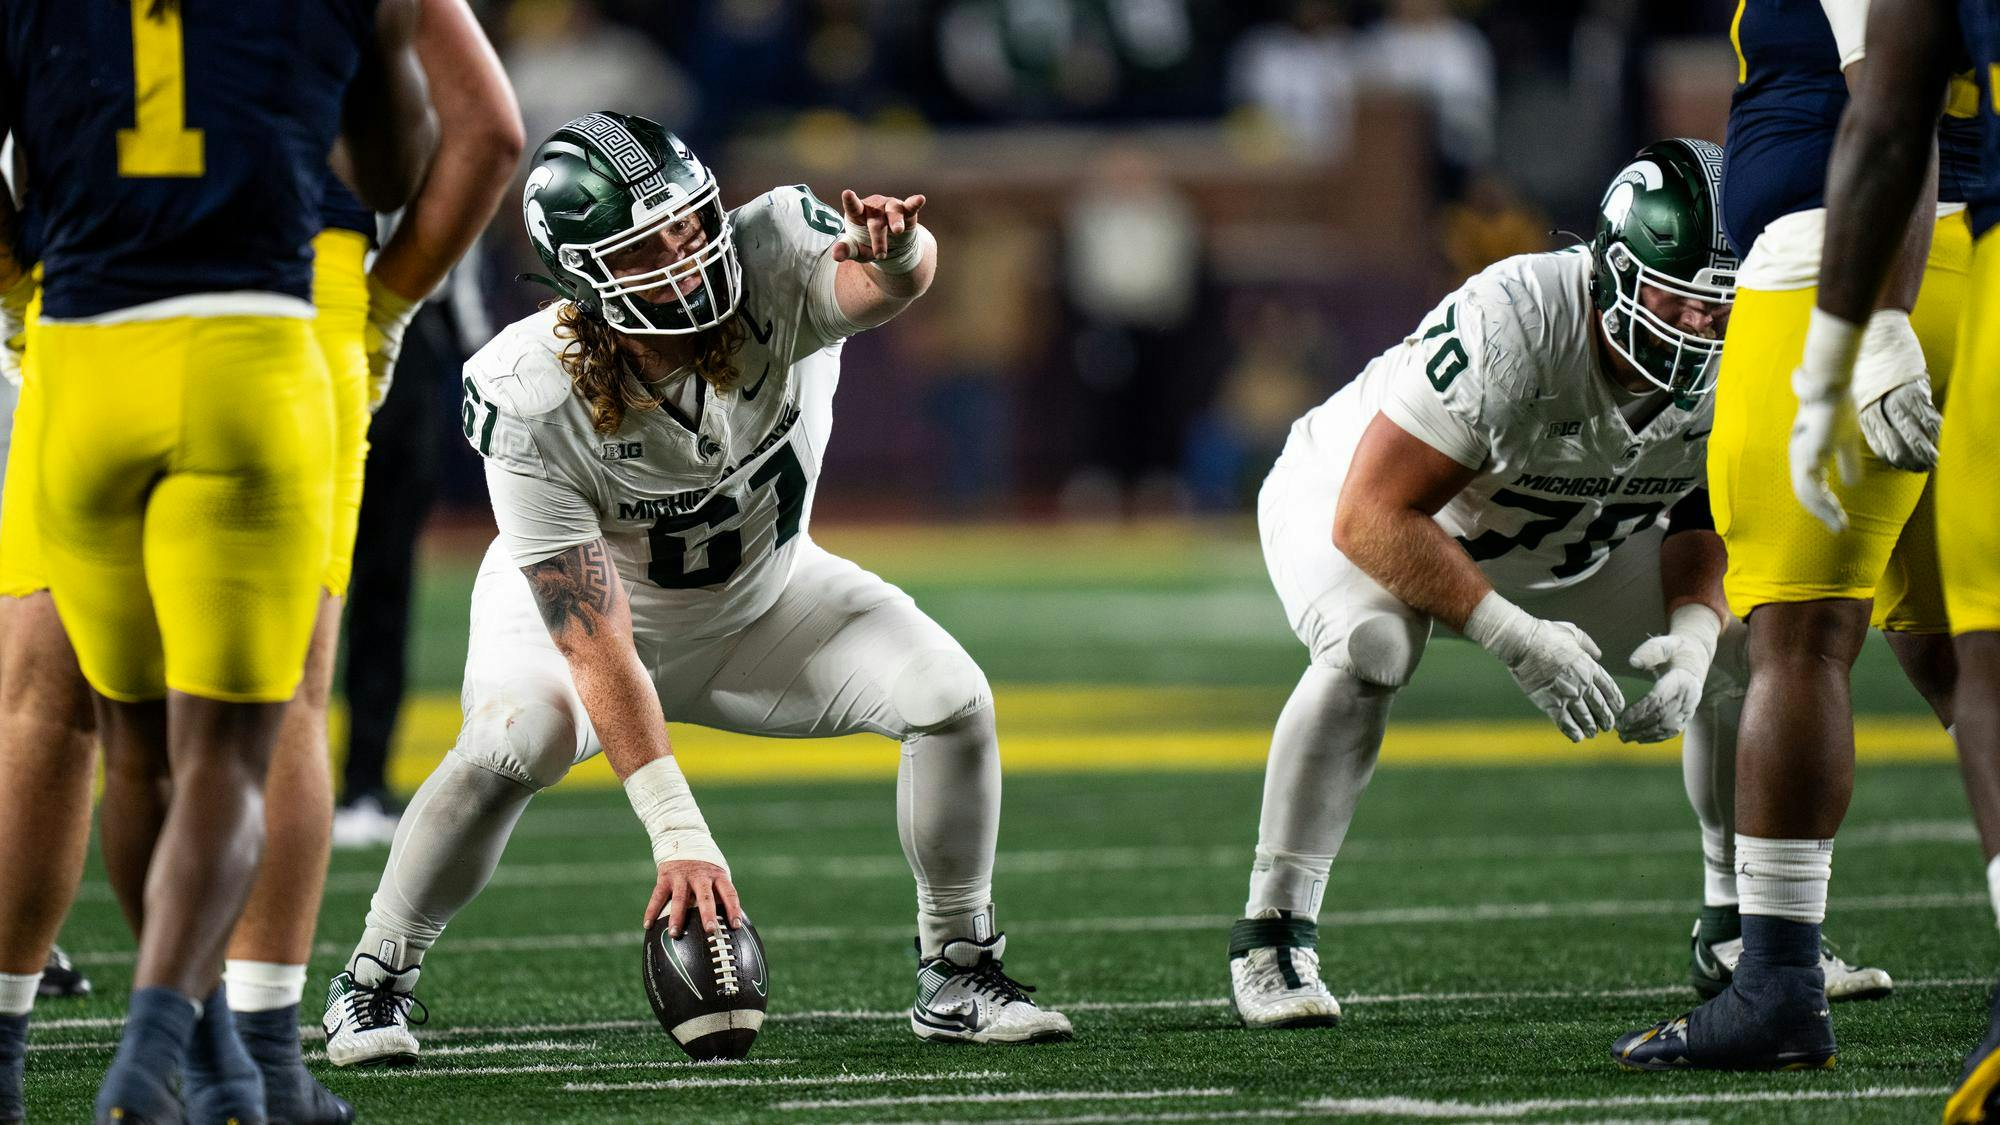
(1285, 364)
(1079, 58)
(1422, 49)
(1490, 223)
(1134, 272)
(567, 59)
(1300, 71)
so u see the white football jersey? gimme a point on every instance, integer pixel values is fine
(1504, 377)
(702, 519)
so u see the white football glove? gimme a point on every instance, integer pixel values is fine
(1892, 393)
(1554, 662)
(14, 326)
(1825, 432)
(1678, 662)
(389, 315)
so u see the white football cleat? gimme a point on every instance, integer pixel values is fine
(365, 823)
(369, 1024)
(1274, 973)
(1714, 965)
(964, 997)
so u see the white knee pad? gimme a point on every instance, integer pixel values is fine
(1383, 649)
(531, 740)
(938, 687)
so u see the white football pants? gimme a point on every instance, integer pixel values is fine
(839, 652)
(1365, 645)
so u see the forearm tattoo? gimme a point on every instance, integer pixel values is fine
(574, 587)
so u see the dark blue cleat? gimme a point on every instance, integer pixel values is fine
(137, 1090)
(292, 1096)
(223, 1085)
(1774, 1019)
(13, 1060)
(1977, 1098)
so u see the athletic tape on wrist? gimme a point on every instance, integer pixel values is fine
(1832, 345)
(905, 249)
(1499, 626)
(660, 795)
(1698, 623)
(1890, 356)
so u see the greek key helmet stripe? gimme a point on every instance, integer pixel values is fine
(634, 163)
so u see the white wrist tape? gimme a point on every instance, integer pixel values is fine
(1698, 624)
(1890, 356)
(1832, 343)
(1499, 626)
(905, 249)
(665, 805)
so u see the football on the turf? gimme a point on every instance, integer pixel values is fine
(709, 991)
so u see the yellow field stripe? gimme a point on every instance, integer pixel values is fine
(1086, 729)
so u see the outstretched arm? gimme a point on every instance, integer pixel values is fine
(583, 604)
(887, 258)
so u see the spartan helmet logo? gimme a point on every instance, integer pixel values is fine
(531, 208)
(1618, 199)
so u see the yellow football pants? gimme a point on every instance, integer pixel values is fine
(1968, 472)
(1777, 551)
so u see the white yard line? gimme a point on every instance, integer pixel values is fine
(1004, 1096)
(554, 1045)
(1194, 1003)
(1426, 1108)
(1455, 914)
(1114, 859)
(788, 1080)
(421, 1071)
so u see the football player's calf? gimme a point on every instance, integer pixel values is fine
(948, 816)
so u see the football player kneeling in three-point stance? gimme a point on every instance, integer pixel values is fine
(652, 442)
(1526, 468)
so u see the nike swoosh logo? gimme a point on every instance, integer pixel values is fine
(1699, 436)
(763, 337)
(750, 392)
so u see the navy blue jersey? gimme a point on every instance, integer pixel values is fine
(1979, 22)
(340, 210)
(212, 182)
(1783, 116)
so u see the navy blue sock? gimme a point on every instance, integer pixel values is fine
(222, 1080)
(291, 1093)
(13, 1059)
(1780, 941)
(159, 1023)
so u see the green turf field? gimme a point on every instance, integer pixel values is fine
(1496, 918)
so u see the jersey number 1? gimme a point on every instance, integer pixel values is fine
(160, 143)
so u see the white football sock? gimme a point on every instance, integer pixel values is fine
(1323, 752)
(17, 992)
(1783, 878)
(948, 819)
(1993, 884)
(1708, 770)
(446, 847)
(262, 986)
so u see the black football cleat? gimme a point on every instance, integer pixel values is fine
(60, 978)
(1977, 1098)
(1778, 1022)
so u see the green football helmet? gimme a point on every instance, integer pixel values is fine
(598, 190)
(1660, 228)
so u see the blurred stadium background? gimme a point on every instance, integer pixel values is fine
(1168, 228)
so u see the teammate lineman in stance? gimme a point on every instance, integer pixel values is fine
(652, 441)
(176, 163)
(1809, 592)
(1525, 468)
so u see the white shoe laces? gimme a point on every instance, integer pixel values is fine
(1266, 975)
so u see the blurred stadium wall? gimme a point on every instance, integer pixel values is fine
(1168, 226)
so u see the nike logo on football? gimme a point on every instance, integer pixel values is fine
(750, 392)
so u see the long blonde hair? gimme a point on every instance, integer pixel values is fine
(609, 378)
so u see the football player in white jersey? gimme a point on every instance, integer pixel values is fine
(1527, 469)
(652, 443)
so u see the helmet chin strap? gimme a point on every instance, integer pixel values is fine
(552, 283)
